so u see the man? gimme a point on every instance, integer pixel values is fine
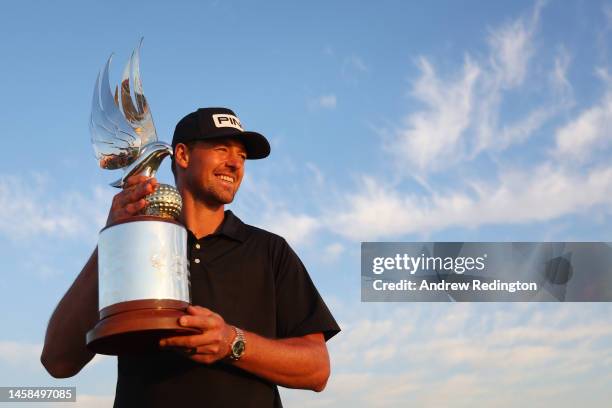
(262, 320)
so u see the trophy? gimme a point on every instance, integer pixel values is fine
(143, 274)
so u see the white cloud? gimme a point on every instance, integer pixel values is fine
(512, 48)
(87, 401)
(591, 130)
(33, 205)
(518, 196)
(498, 355)
(462, 118)
(431, 137)
(263, 204)
(607, 9)
(295, 228)
(327, 101)
(459, 121)
(100, 358)
(317, 174)
(522, 129)
(462, 110)
(333, 251)
(355, 63)
(559, 73)
(353, 68)
(20, 354)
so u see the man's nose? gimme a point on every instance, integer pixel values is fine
(234, 160)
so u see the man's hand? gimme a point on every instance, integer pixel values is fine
(131, 200)
(210, 346)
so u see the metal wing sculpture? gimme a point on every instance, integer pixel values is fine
(122, 131)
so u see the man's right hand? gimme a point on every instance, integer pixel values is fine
(131, 200)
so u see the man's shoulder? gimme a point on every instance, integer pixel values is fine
(252, 232)
(275, 247)
(260, 233)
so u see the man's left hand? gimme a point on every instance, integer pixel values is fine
(210, 346)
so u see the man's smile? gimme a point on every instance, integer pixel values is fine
(226, 178)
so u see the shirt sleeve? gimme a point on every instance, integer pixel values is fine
(300, 310)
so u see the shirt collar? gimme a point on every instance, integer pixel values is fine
(231, 227)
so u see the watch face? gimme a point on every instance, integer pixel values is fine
(238, 348)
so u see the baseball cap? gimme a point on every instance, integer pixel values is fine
(213, 123)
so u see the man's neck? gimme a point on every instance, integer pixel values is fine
(201, 218)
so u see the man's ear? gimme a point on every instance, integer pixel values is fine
(181, 155)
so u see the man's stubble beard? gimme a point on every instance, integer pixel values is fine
(210, 195)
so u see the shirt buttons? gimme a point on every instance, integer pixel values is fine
(197, 260)
(197, 246)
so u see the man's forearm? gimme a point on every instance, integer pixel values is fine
(65, 352)
(300, 362)
(296, 362)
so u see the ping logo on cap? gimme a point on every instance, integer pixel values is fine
(225, 120)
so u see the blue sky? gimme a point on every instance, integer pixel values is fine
(467, 121)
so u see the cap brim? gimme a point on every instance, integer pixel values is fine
(256, 144)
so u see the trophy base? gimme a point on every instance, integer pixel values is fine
(137, 326)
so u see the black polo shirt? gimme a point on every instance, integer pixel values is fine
(255, 281)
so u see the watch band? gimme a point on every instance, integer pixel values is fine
(238, 346)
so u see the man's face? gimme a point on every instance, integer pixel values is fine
(215, 170)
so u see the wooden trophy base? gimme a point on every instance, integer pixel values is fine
(137, 326)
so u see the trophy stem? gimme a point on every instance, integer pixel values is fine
(147, 163)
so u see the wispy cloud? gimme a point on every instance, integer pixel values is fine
(464, 116)
(295, 228)
(325, 102)
(32, 205)
(263, 204)
(456, 354)
(511, 48)
(607, 9)
(355, 63)
(353, 68)
(523, 128)
(591, 129)
(20, 354)
(559, 74)
(88, 401)
(23, 354)
(379, 211)
(432, 136)
(333, 251)
(461, 113)
(329, 51)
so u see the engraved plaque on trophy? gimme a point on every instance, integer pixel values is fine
(143, 274)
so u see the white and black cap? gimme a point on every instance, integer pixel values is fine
(215, 123)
